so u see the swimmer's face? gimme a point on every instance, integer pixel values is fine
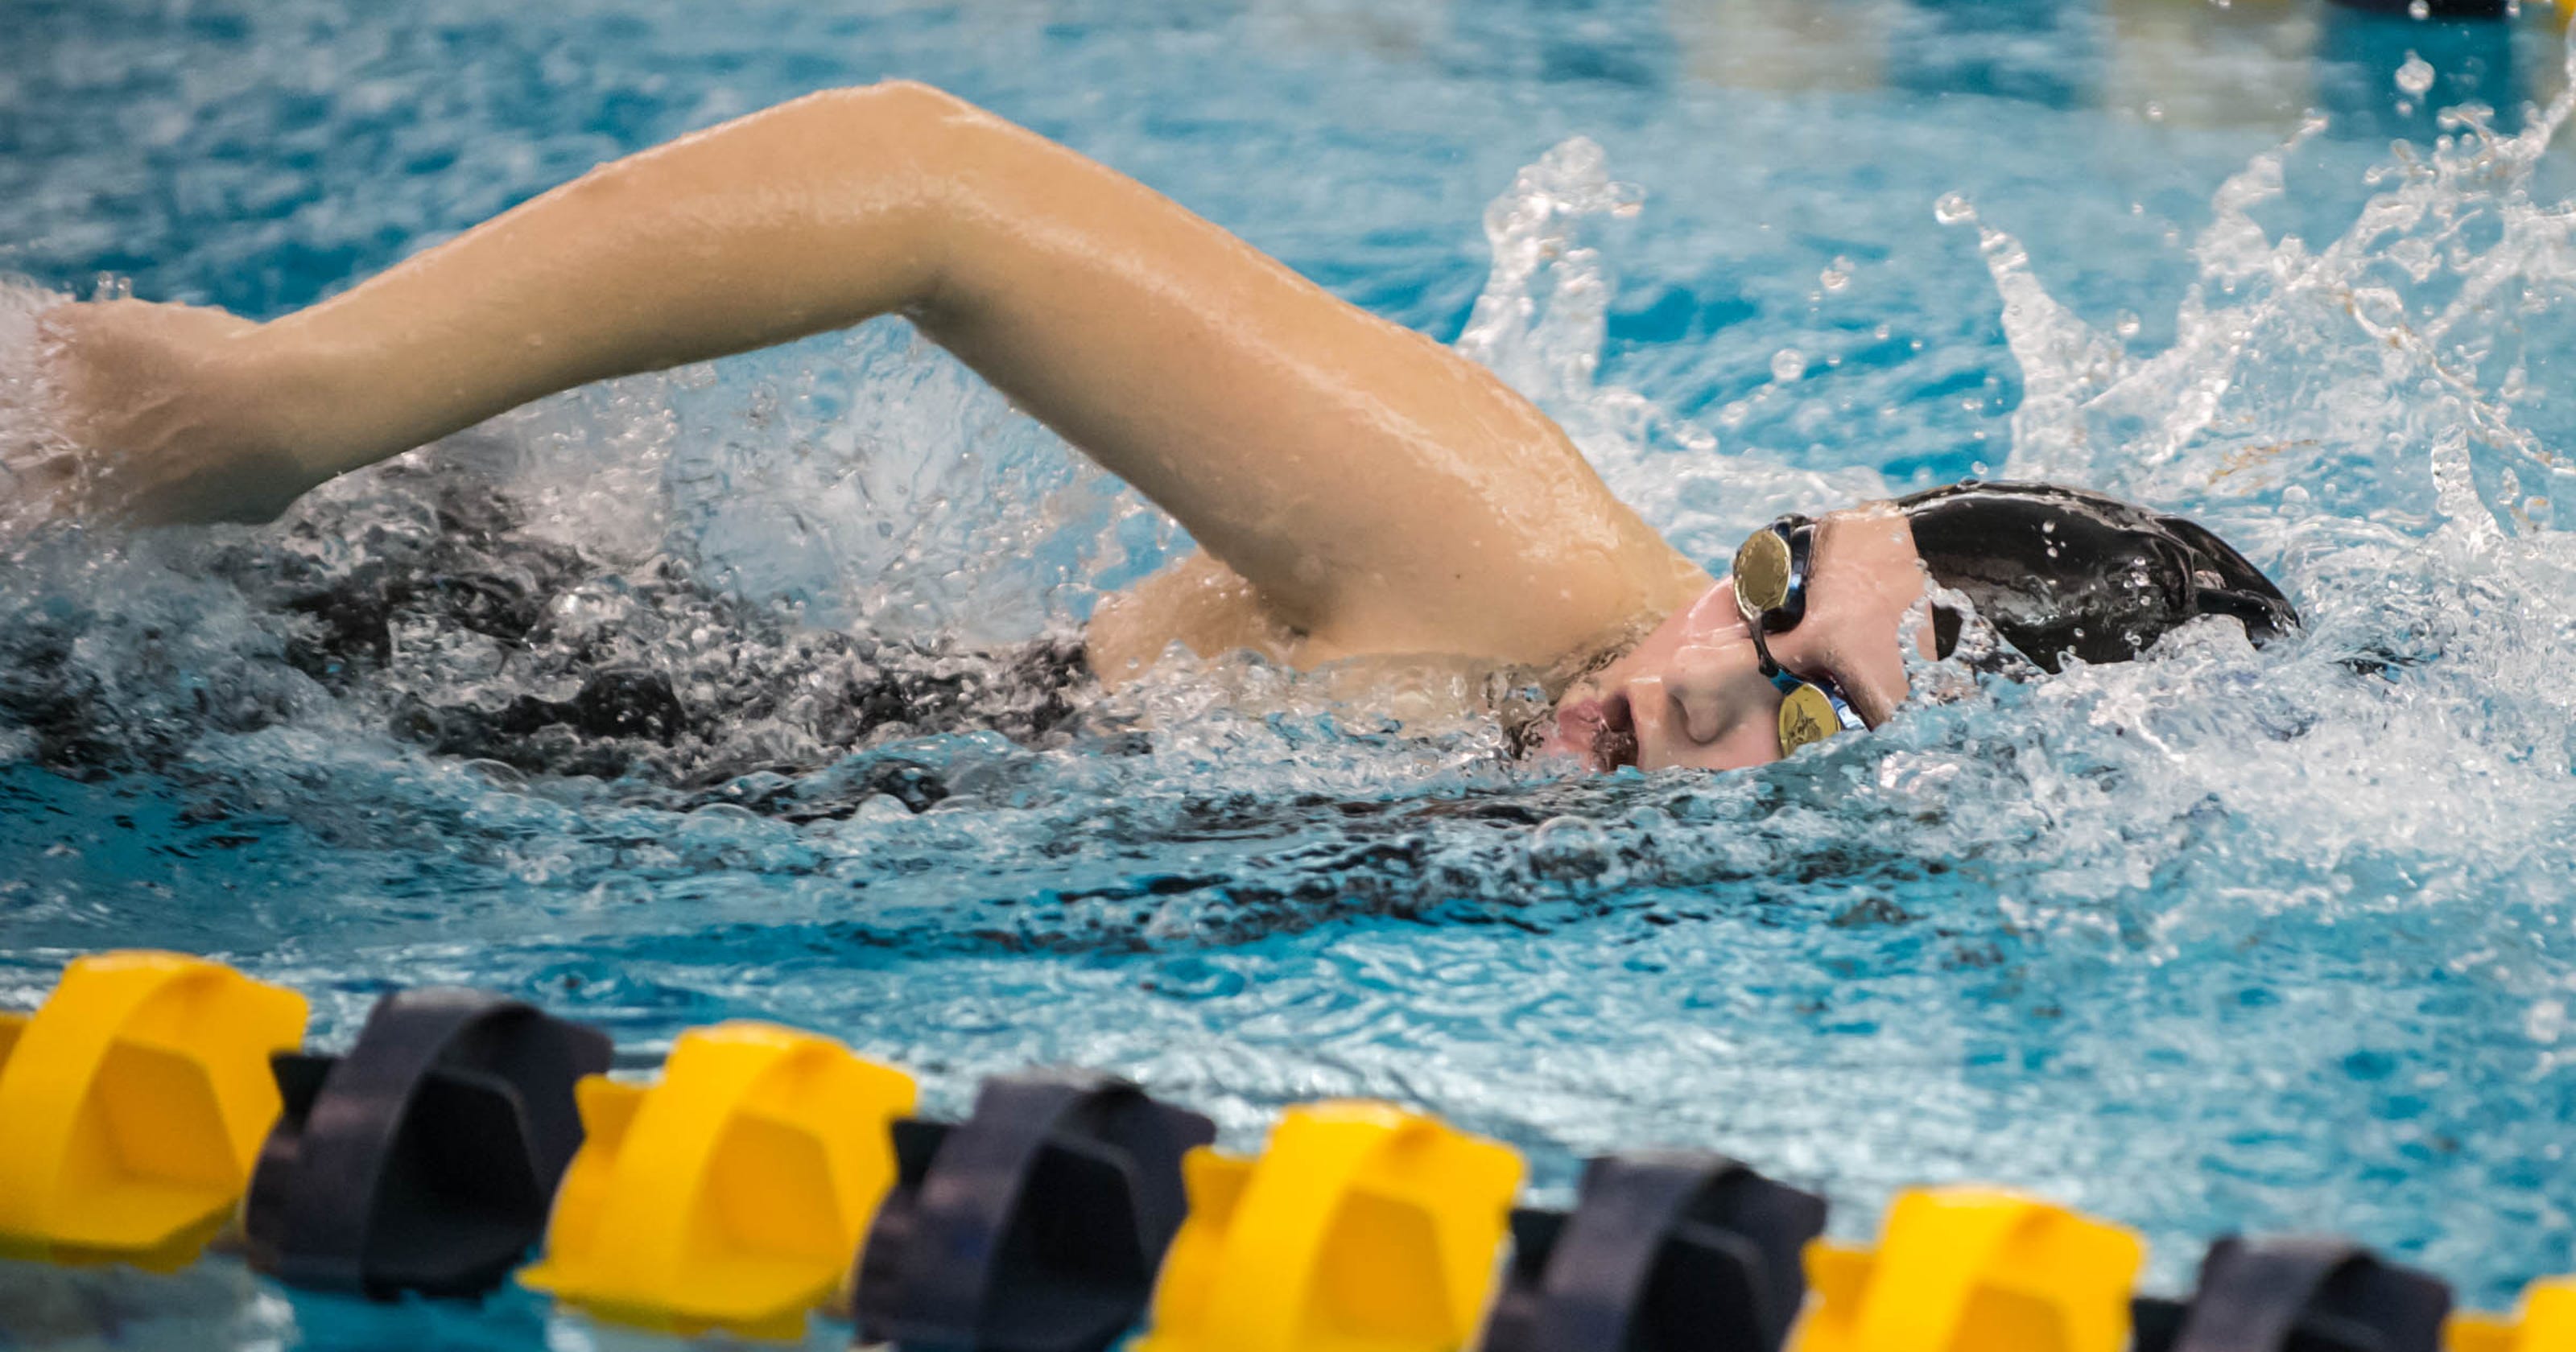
(1693, 692)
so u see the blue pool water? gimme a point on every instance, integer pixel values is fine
(2213, 941)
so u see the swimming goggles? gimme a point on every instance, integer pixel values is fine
(1771, 593)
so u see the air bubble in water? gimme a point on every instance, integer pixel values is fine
(2419, 9)
(1788, 364)
(2416, 76)
(1837, 275)
(1954, 208)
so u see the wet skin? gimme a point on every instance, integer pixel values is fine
(1357, 490)
(1692, 692)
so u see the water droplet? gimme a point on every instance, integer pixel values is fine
(2155, 112)
(2419, 9)
(1837, 275)
(2416, 76)
(1953, 208)
(2125, 324)
(1788, 364)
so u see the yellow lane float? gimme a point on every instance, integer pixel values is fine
(732, 1194)
(133, 1105)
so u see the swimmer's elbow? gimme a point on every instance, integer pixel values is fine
(904, 111)
(922, 98)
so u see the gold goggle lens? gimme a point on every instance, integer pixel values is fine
(1762, 573)
(1806, 716)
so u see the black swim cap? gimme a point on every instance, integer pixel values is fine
(2061, 571)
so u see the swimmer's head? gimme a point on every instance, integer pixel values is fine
(2057, 572)
(2062, 572)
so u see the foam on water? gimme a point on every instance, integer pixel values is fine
(2216, 939)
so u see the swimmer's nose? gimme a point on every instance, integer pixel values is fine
(1703, 714)
(1701, 686)
(1691, 693)
(1703, 711)
(1674, 722)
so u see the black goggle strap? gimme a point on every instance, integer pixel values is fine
(1811, 711)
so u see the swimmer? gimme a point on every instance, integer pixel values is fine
(1355, 488)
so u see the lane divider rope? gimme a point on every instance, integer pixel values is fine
(768, 1174)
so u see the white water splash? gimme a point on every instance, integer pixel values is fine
(29, 441)
(1540, 324)
(2400, 356)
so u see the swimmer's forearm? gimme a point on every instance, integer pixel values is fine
(797, 220)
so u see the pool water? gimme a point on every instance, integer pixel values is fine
(2213, 941)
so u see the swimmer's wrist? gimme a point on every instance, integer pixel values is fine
(308, 406)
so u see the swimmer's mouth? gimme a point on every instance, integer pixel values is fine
(1617, 744)
(1603, 732)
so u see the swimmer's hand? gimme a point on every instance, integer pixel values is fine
(167, 414)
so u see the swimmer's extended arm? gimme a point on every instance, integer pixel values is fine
(1377, 491)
